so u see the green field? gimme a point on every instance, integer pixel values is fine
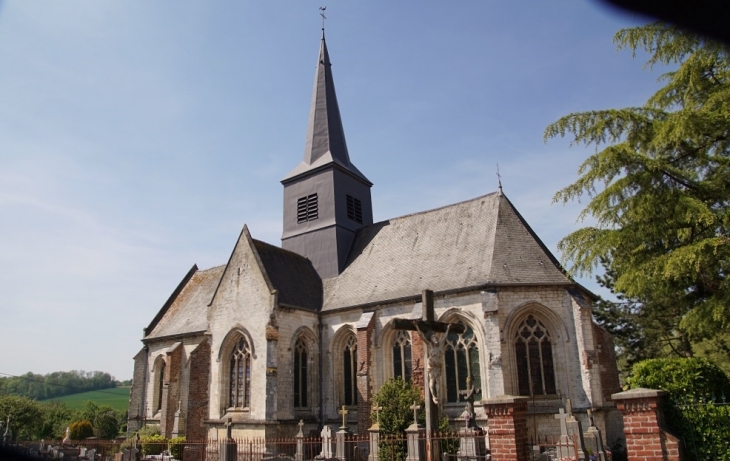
(117, 398)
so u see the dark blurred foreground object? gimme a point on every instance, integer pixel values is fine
(708, 17)
(10, 454)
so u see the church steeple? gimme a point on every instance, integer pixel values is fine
(326, 198)
(325, 142)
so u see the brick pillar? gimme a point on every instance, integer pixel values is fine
(507, 422)
(364, 388)
(643, 422)
(417, 360)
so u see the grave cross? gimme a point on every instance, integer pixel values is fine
(229, 428)
(344, 413)
(377, 410)
(428, 327)
(415, 407)
(301, 425)
(562, 416)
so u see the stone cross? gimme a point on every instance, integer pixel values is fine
(428, 328)
(590, 417)
(344, 413)
(562, 417)
(377, 410)
(229, 428)
(468, 394)
(301, 425)
(415, 407)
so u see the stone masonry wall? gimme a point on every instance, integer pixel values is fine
(364, 387)
(136, 396)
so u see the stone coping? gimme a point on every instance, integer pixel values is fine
(504, 400)
(638, 393)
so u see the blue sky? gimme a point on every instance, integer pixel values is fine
(137, 137)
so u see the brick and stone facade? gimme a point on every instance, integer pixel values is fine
(275, 336)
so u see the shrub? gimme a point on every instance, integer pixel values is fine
(79, 430)
(153, 444)
(396, 397)
(692, 385)
(177, 445)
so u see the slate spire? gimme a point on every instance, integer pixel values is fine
(325, 143)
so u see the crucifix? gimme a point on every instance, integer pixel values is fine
(434, 336)
(344, 413)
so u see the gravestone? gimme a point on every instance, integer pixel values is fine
(415, 435)
(594, 440)
(327, 452)
(565, 447)
(342, 453)
(375, 436)
(228, 448)
(575, 431)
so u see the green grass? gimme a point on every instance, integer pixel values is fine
(117, 398)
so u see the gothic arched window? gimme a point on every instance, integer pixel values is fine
(534, 351)
(160, 384)
(461, 361)
(239, 381)
(300, 374)
(349, 362)
(402, 363)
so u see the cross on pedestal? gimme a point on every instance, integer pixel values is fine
(415, 407)
(428, 328)
(377, 410)
(344, 413)
(301, 425)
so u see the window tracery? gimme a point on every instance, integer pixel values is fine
(534, 354)
(349, 362)
(461, 359)
(300, 375)
(402, 357)
(239, 381)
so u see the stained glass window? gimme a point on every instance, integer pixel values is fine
(350, 369)
(160, 384)
(461, 361)
(402, 362)
(534, 354)
(240, 375)
(300, 374)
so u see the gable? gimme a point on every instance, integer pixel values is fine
(471, 244)
(187, 310)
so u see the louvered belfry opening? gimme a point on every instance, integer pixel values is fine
(354, 209)
(307, 208)
(534, 351)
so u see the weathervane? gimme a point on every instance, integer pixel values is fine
(322, 9)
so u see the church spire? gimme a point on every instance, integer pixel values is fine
(325, 143)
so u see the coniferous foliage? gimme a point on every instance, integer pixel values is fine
(659, 187)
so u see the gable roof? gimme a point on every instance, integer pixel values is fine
(476, 243)
(292, 275)
(185, 311)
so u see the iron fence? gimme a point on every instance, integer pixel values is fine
(392, 447)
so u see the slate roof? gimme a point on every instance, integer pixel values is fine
(292, 275)
(479, 242)
(187, 312)
(325, 144)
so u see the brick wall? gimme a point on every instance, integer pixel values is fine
(646, 439)
(608, 373)
(198, 394)
(507, 427)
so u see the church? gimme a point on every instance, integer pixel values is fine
(282, 334)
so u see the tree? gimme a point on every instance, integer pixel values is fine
(659, 188)
(396, 397)
(24, 414)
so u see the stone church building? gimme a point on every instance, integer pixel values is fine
(281, 334)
